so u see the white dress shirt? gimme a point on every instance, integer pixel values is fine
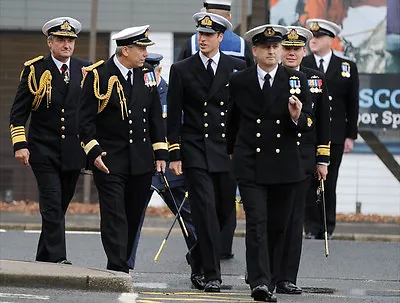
(214, 63)
(327, 59)
(59, 64)
(124, 71)
(261, 74)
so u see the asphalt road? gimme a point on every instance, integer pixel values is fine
(354, 272)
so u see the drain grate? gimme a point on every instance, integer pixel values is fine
(318, 290)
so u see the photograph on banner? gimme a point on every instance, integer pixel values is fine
(370, 33)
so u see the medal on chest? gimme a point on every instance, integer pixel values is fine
(345, 70)
(315, 84)
(295, 85)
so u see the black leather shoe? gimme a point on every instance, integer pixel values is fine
(226, 256)
(261, 293)
(213, 286)
(198, 280)
(286, 287)
(65, 261)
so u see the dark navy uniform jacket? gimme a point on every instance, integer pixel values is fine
(315, 144)
(199, 141)
(173, 180)
(132, 133)
(53, 131)
(232, 45)
(343, 89)
(261, 135)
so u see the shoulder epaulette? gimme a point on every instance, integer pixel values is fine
(30, 62)
(93, 66)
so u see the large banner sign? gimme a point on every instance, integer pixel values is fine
(379, 101)
(370, 33)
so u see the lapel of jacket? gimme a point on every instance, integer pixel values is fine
(114, 71)
(58, 80)
(333, 67)
(75, 76)
(221, 75)
(138, 84)
(200, 71)
(310, 62)
(254, 85)
(275, 90)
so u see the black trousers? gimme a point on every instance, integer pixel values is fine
(227, 233)
(313, 222)
(292, 246)
(122, 202)
(212, 198)
(267, 209)
(179, 195)
(56, 190)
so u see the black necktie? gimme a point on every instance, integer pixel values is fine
(129, 79)
(64, 73)
(210, 70)
(267, 84)
(321, 65)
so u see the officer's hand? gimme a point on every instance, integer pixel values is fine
(161, 165)
(22, 155)
(322, 171)
(100, 164)
(176, 167)
(295, 107)
(348, 145)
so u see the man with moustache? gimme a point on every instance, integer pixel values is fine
(49, 93)
(198, 90)
(122, 133)
(343, 84)
(270, 104)
(314, 150)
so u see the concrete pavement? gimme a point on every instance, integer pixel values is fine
(38, 274)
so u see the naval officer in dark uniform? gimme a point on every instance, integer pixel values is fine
(343, 85)
(176, 183)
(122, 133)
(269, 105)
(198, 88)
(235, 46)
(49, 93)
(314, 151)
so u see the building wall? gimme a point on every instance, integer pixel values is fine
(162, 15)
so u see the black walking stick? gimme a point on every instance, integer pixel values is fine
(170, 229)
(176, 205)
(322, 193)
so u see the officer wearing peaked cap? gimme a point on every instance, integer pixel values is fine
(122, 133)
(198, 87)
(270, 104)
(176, 183)
(314, 151)
(343, 85)
(232, 44)
(48, 92)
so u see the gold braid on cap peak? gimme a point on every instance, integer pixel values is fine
(104, 98)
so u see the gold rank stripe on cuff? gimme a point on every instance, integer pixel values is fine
(172, 147)
(323, 151)
(160, 145)
(17, 134)
(89, 146)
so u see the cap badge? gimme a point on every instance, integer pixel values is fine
(66, 26)
(206, 21)
(314, 27)
(345, 70)
(146, 33)
(293, 35)
(269, 32)
(295, 85)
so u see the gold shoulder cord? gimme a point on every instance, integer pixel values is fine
(44, 84)
(104, 98)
